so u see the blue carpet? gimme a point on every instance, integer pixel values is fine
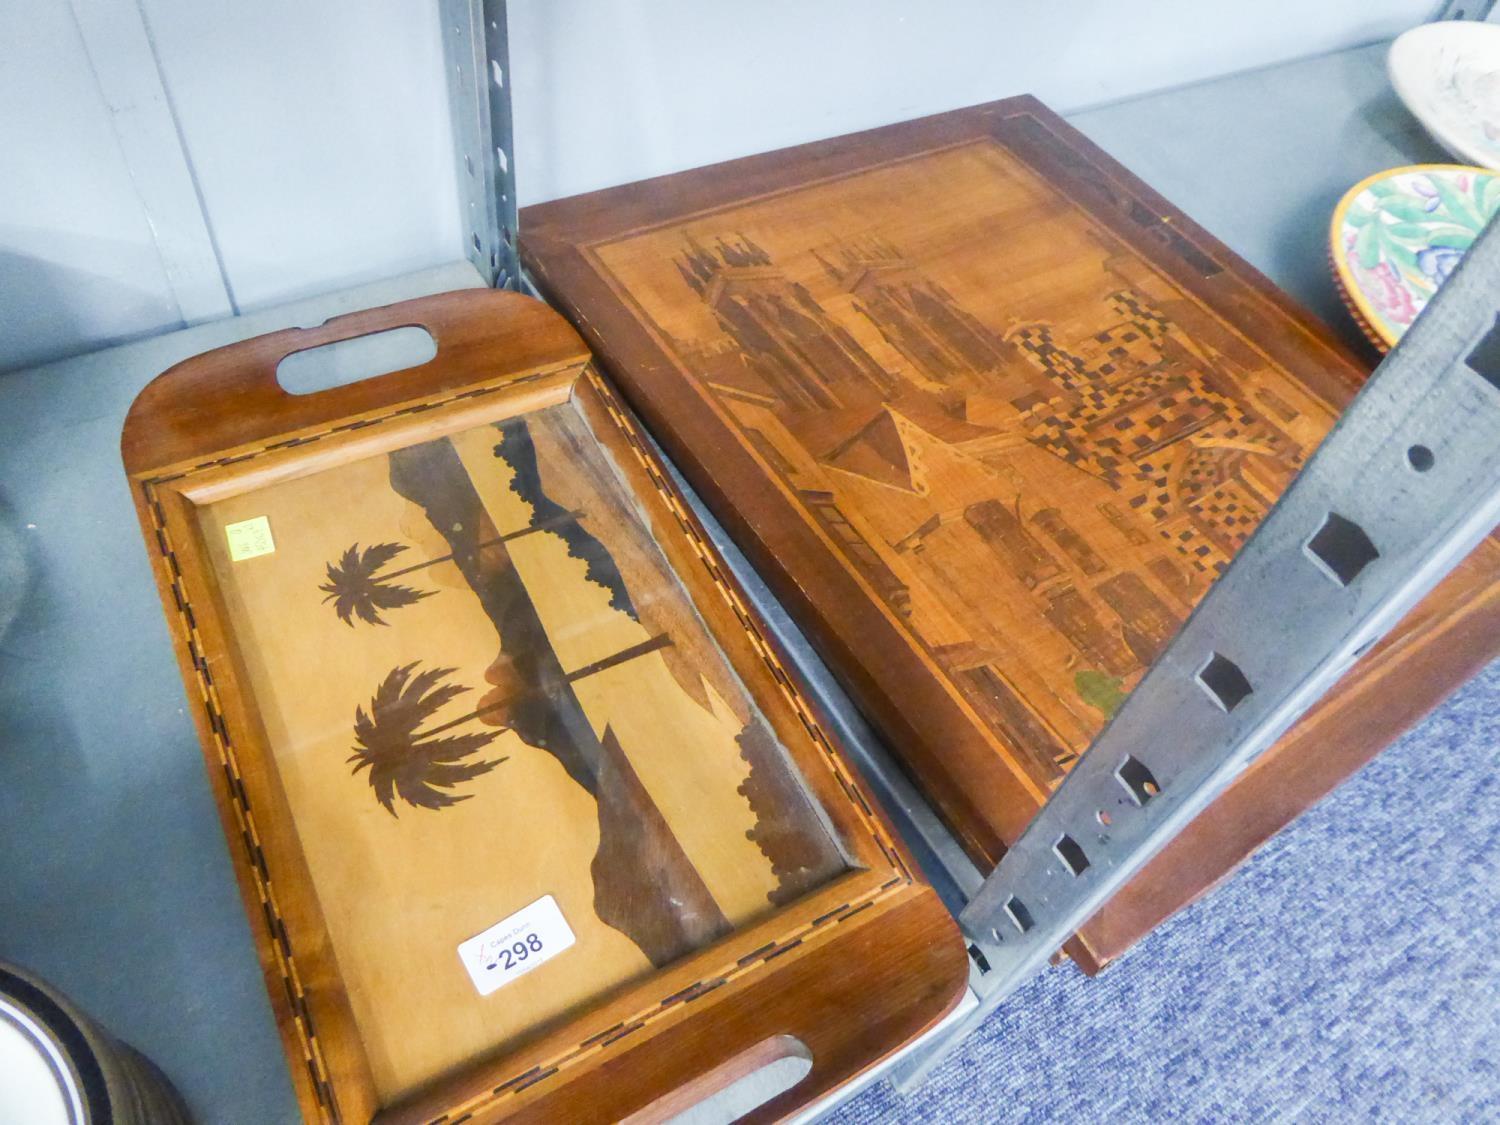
(1350, 971)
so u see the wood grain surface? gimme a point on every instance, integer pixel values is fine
(486, 656)
(992, 416)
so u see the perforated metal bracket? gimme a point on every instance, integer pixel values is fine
(1404, 486)
(477, 55)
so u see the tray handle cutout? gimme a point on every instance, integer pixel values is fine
(356, 358)
(733, 1089)
(232, 396)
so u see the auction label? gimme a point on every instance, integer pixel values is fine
(513, 946)
(249, 539)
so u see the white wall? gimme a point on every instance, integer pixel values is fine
(312, 136)
(610, 91)
(309, 138)
(318, 130)
(77, 260)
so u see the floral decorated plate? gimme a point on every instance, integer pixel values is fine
(1448, 74)
(1397, 235)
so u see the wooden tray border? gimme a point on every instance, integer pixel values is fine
(859, 888)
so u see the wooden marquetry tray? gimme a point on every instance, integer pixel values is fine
(990, 415)
(529, 819)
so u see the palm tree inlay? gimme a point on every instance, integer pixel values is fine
(416, 767)
(357, 591)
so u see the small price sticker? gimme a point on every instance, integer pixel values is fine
(513, 946)
(249, 539)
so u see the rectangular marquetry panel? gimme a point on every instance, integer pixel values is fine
(993, 416)
(498, 690)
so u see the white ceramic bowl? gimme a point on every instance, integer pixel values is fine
(58, 1068)
(1448, 74)
(38, 1086)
